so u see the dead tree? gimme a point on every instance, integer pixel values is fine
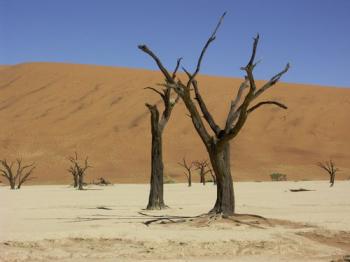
(72, 169)
(158, 123)
(78, 171)
(329, 166)
(218, 143)
(188, 172)
(204, 168)
(19, 176)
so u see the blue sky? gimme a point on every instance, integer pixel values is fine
(314, 36)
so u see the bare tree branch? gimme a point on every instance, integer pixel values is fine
(272, 81)
(21, 174)
(211, 39)
(26, 176)
(188, 168)
(207, 116)
(165, 72)
(242, 112)
(7, 172)
(230, 117)
(250, 66)
(329, 166)
(155, 90)
(176, 67)
(266, 103)
(78, 171)
(180, 90)
(185, 164)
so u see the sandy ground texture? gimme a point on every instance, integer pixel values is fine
(54, 109)
(58, 223)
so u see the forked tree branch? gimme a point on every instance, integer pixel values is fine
(166, 94)
(250, 66)
(328, 166)
(238, 113)
(231, 115)
(7, 172)
(26, 176)
(206, 114)
(188, 168)
(272, 81)
(241, 113)
(176, 67)
(185, 164)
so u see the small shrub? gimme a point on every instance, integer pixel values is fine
(278, 177)
(101, 182)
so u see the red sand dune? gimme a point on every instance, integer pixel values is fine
(50, 110)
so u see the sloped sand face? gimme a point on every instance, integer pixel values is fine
(58, 223)
(53, 109)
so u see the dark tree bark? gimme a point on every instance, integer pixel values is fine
(158, 123)
(217, 144)
(225, 199)
(188, 172)
(156, 195)
(80, 182)
(12, 184)
(329, 166)
(213, 176)
(75, 180)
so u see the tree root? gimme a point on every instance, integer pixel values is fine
(164, 219)
(207, 219)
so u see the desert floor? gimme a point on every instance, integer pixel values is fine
(48, 223)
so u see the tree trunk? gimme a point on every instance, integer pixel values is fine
(214, 179)
(220, 160)
(80, 182)
(189, 179)
(156, 200)
(332, 177)
(12, 183)
(202, 177)
(75, 177)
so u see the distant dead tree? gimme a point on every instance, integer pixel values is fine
(158, 123)
(78, 171)
(218, 143)
(72, 169)
(204, 168)
(329, 166)
(188, 172)
(19, 175)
